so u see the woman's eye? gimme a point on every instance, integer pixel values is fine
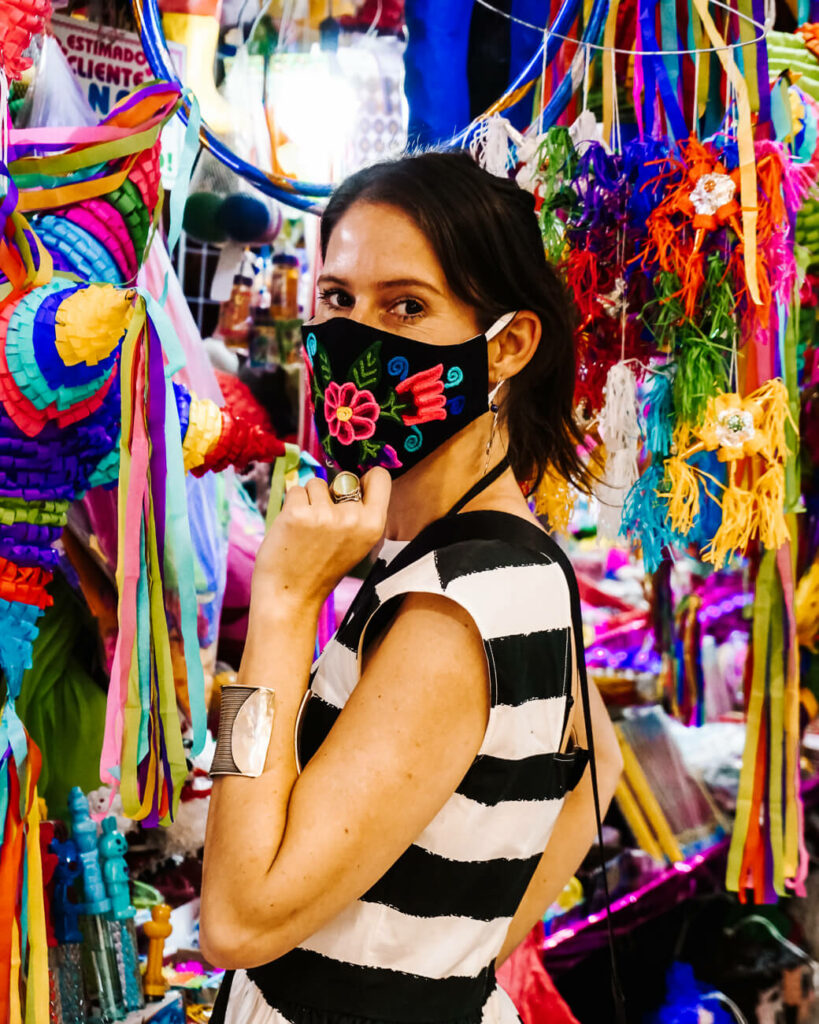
(408, 309)
(335, 298)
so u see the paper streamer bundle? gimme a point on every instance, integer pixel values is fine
(87, 399)
(679, 245)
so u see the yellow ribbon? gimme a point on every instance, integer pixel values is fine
(66, 195)
(745, 145)
(609, 85)
(762, 618)
(37, 992)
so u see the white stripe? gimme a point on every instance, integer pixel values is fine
(421, 576)
(375, 935)
(499, 1009)
(336, 675)
(468, 831)
(247, 1005)
(508, 601)
(514, 599)
(524, 730)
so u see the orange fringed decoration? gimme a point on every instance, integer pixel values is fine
(706, 197)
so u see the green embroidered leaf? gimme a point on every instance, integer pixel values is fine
(366, 370)
(327, 445)
(394, 407)
(370, 449)
(321, 365)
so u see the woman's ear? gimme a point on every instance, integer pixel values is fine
(514, 346)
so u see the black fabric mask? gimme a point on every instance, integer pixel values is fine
(381, 399)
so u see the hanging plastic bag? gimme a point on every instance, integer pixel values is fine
(55, 98)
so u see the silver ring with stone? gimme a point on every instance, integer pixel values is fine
(345, 487)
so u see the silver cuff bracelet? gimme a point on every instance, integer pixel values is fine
(245, 727)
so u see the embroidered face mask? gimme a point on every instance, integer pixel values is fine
(384, 400)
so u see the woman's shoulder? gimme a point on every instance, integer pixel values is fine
(504, 570)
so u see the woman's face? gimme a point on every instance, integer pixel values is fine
(382, 271)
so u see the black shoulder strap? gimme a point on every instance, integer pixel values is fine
(486, 481)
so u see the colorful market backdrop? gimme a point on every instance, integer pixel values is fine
(163, 167)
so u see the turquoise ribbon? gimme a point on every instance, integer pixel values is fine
(179, 193)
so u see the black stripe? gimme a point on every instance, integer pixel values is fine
(308, 979)
(469, 557)
(532, 667)
(426, 885)
(492, 780)
(318, 719)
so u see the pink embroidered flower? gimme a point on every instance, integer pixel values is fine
(427, 391)
(351, 414)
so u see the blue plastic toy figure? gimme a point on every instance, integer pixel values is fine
(112, 845)
(64, 912)
(100, 972)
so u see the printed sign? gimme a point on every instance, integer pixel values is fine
(108, 64)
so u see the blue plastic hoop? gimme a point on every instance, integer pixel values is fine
(302, 195)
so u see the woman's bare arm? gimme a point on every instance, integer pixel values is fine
(574, 831)
(284, 855)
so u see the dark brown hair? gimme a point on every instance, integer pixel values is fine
(485, 234)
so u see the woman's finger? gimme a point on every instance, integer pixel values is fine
(318, 492)
(376, 486)
(296, 497)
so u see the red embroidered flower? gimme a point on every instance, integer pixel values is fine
(351, 414)
(427, 390)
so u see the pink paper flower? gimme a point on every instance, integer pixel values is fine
(351, 414)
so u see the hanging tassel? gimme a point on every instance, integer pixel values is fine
(555, 499)
(739, 523)
(619, 429)
(770, 503)
(646, 517)
(683, 494)
(489, 146)
(658, 412)
(776, 414)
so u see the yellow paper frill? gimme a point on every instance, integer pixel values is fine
(204, 429)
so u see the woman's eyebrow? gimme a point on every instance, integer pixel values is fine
(396, 282)
(408, 282)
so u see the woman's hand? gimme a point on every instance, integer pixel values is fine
(314, 542)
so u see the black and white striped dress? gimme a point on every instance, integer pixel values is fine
(419, 947)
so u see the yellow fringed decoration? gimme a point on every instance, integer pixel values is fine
(555, 499)
(204, 428)
(684, 495)
(91, 322)
(774, 399)
(770, 501)
(739, 522)
(807, 608)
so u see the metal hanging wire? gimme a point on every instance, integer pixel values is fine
(763, 28)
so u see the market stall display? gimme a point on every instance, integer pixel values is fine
(673, 159)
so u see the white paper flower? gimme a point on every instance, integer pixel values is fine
(711, 192)
(735, 427)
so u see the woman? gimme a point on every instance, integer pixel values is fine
(441, 808)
